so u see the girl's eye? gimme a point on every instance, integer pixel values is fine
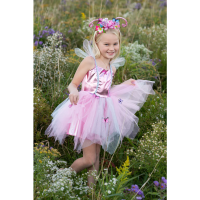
(115, 43)
(106, 44)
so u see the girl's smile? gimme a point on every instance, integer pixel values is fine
(108, 45)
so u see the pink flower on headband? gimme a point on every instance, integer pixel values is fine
(110, 24)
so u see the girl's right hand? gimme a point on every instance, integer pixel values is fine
(74, 97)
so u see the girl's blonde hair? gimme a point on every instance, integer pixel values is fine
(96, 38)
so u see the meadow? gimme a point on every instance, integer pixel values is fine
(138, 168)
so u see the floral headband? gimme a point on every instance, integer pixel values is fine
(105, 24)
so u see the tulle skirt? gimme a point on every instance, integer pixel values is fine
(100, 120)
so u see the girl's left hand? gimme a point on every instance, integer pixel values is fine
(129, 82)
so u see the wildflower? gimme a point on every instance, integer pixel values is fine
(83, 16)
(162, 186)
(40, 161)
(105, 183)
(164, 4)
(36, 43)
(156, 183)
(164, 180)
(40, 42)
(135, 186)
(109, 191)
(138, 6)
(70, 30)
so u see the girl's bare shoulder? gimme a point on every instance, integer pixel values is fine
(88, 63)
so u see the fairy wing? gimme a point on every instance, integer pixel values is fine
(118, 62)
(88, 50)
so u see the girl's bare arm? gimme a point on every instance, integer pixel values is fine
(83, 68)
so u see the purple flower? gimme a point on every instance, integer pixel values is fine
(135, 186)
(156, 183)
(64, 45)
(138, 197)
(36, 43)
(43, 145)
(162, 186)
(46, 27)
(70, 30)
(108, 2)
(51, 31)
(140, 193)
(51, 148)
(164, 180)
(155, 77)
(138, 6)
(40, 42)
(134, 190)
(164, 4)
(44, 31)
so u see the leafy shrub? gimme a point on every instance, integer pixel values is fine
(151, 147)
(160, 188)
(42, 36)
(49, 63)
(42, 114)
(52, 182)
(136, 52)
(152, 111)
(154, 38)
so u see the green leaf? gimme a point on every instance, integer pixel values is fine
(113, 195)
(153, 193)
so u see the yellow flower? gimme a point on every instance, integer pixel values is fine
(83, 16)
(40, 161)
(124, 169)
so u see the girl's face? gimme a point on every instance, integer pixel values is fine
(108, 45)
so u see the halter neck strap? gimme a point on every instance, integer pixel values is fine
(98, 78)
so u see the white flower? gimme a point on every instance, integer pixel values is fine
(105, 183)
(62, 188)
(109, 191)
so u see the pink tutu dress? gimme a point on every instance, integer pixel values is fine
(103, 115)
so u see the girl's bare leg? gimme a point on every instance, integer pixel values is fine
(88, 159)
(90, 169)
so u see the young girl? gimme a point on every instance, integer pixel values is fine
(99, 115)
